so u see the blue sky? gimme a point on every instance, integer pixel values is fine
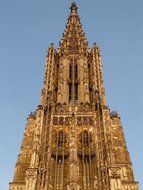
(26, 30)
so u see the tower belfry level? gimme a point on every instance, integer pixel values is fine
(73, 141)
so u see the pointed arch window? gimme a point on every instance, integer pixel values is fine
(60, 139)
(70, 71)
(76, 72)
(85, 139)
(73, 80)
(76, 91)
(70, 91)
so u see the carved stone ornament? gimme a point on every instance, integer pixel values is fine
(79, 120)
(17, 186)
(62, 108)
(55, 120)
(91, 121)
(84, 107)
(61, 121)
(85, 120)
(31, 173)
(68, 120)
(114, 172)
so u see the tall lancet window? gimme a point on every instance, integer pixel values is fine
(76, 91)
(70, 91)
(73, 80)
(76, 71)
(70, 71)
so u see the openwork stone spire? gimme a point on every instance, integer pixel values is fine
(73, 40)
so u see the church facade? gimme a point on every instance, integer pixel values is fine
(73, 141)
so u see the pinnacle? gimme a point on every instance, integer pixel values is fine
(73, 8)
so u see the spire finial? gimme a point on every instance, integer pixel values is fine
(73, 7)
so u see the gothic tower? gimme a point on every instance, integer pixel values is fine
(73, 141)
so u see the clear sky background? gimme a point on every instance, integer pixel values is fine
(27, 27)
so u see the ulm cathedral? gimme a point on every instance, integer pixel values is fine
(73, 141)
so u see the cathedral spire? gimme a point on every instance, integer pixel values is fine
(73, 141)
(73, 40)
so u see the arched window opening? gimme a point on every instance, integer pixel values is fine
(61, 139)
(73, 80)
(76, 91)
(85, 139)
(70, 91)
(76, 72)
(70, 72)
